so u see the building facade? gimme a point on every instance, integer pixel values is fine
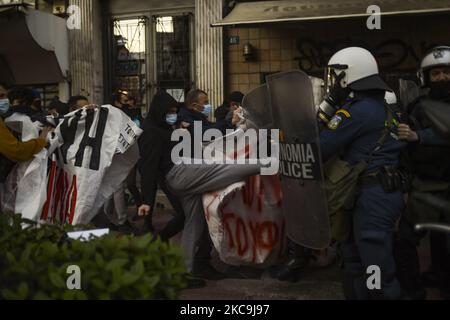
(282, 43)
(143, 45)
(140, 46)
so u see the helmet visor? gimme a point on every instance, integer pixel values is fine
(333, 75)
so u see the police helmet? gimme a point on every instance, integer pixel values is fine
(355, 68)
(437, 57)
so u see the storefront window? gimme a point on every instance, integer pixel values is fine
(130, 58)
(173, 55)
(56, 7)
(164, 25)
(48, 93)
(31, 3)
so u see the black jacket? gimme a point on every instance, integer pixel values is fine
(222, 112)
(156, 146)
(190, 116)
(430, 161)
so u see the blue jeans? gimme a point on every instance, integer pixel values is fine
(371, 244)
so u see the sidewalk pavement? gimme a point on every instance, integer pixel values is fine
(315, 284)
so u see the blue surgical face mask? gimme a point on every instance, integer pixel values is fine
(171, 119)
(4, 106)
(207, 110)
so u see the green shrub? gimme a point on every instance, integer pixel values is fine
(34, 262)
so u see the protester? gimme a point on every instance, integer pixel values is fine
(136, 115)
(21, 100)
(121, 100)
(116, 208)
(135, 112)
(36, 104)
(5, 104)
(190, 181)
(11, 149)
(16, 150)
(77, 102)
(57, 108)
(156, 146)
(232, 103)
(199, 109)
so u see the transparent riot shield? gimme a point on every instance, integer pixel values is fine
(304, 199)
(257, 110)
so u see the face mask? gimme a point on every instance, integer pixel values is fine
(4, 106)
(207, 110)
(440, 90)
(171, 119)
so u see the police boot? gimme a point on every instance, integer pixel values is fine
(298, 258)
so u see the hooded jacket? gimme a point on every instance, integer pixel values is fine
(156, 146)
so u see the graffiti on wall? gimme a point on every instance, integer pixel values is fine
(313, 55)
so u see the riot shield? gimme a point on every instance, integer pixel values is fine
(304, 199)
(257, 110)
(318, 91)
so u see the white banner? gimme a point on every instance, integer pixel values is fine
(245, 220)
(92, 153)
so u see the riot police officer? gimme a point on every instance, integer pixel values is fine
(360, 128)
(429, 162)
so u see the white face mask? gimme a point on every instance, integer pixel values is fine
(171, 119)
(4, 106)
(207, 110)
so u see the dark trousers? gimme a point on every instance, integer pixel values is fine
(190, 182)
(132, 186)
(407, 257)
(176, 224)
(371, 244)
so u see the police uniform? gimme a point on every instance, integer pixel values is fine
(354, 133)
(429, 163)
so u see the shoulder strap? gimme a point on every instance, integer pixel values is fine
(385, 133)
